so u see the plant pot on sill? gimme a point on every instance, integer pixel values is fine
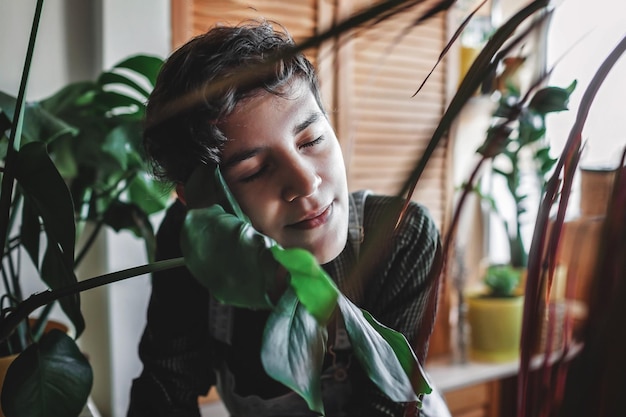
(495, 327)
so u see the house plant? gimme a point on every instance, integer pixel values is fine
(77, 160)
(495, 315)
(518, 149)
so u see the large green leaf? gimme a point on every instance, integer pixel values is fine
(39, 124)
(112, 78)
(293, 349)
(50, 199)
(151, 195)
(70, 99)
(122, 144)
(116, 100)
(146, 65)
(50, 378)
(314, 288)
(30, 231)
(403, 352)
(62, 153)
(44, 186)
(229, 257)
(56, 273)
(384, 354)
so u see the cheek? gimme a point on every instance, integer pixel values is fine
(334, 168)
(258, 207)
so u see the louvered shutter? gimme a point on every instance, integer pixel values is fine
(388, 129)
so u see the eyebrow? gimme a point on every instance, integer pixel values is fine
(250, 153)
(313, 117)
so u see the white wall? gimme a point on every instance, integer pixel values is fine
(77, 39)
(582, 34)
(63, 51)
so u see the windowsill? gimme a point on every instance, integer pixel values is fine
(448, 376)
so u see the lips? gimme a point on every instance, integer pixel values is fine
(313, 220)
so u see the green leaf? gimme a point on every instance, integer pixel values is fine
(30, 231)
(39, 124)
(403, 352)
(508, 107)
(206, 186)
(234, 206)
(50, 378)
(62, 154)
(113, 78)
(552, 99)
(293, 349)
(383, 358)
(5, 122)
(146, 65)
(121, 143)
(314, 288)
(45, 187)
(150, 195)
(51, 200)
(56, 273)
(69, 98)
(229, 257)
(532, 127)
(113, 101)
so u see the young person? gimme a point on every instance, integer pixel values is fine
(280, 157)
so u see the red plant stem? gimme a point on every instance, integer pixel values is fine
(570, 152)
(467, 188)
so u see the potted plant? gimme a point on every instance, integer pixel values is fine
(70, 159)
(495, 315)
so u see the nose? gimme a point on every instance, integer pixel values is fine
(300, 180)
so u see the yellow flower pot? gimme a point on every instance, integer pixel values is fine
(495, 327)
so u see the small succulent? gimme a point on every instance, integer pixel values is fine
(502, 280)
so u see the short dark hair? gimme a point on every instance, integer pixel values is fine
(202, 82)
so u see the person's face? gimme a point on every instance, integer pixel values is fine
(284, 165)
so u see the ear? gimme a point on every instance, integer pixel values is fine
(180, 192)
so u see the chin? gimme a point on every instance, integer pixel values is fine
(332, 250)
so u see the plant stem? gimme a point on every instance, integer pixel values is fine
(23, 309)
(8, 177)
(88, 243)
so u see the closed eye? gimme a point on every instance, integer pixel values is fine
(256, 175)
(313, 142)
